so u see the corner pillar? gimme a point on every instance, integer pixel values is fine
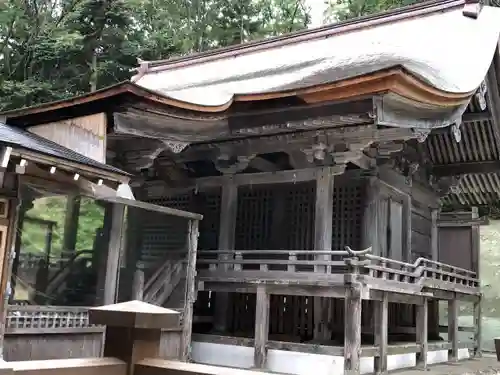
(352, 330)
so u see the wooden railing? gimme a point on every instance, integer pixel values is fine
(292, 263)
(49, 317)
(163, 281)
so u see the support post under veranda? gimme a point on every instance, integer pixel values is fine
(352, 331)
(261, 327)
(352, 316)
(381, 324)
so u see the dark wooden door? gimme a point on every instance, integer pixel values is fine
(459, 245)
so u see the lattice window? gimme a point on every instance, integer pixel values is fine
(300, 203)
(347, 215)
(253, 229)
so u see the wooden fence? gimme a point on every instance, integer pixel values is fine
(62, 332)
(134, 333)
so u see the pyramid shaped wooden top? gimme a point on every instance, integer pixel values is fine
(135, 314)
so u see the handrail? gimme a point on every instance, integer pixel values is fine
(378, 267)
(418, 262)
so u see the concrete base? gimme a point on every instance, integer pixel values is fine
(295, 363)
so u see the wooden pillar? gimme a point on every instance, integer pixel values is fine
(26, 203)
(7, 257)
(228, 212)
(372, 226)
(71, 223)
(8, 226)
(476, 268)
(406, 227)
(381, 325)
(453, 328)
(138, 285)
(114, 251)
(261, 327)
(323, 216)
(422, 333)
(187, 322)
(434, 304)
(352, 331)
(478, 329)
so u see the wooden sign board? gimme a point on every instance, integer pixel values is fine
(85, 135)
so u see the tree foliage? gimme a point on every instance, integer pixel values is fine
(53, 49)
(341, 10)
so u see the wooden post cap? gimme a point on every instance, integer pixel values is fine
(135, 314)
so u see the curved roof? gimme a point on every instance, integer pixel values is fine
(440, 57)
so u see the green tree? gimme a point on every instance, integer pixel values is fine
(53, 50)
(341, 10)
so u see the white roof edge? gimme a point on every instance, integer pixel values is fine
(453, 55)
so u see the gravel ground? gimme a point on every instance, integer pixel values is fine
(487, 365)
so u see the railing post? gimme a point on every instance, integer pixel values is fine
(133, 330)
(292, 257)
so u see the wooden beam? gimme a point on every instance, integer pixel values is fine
(477, 221)
(352, 331)
(227, 232)
(381, 327)
(474, 167)
(323, 216)
(280, 177)
(292, 141)
(114, 252)
(152, 207)
(422, 334)
(261, 327)
(263, 165)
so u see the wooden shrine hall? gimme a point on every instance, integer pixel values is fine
(339, 172)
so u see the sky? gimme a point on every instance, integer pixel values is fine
(317, 8)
